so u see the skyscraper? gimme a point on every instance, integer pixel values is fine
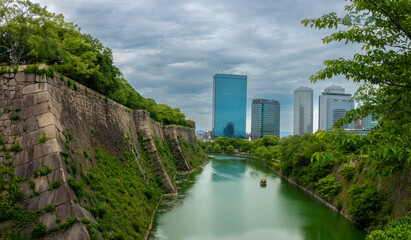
(265, 118)
(333, 104)
(370, 123)
(303, 111)
(229, 105)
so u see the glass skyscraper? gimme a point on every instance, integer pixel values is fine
(334, 103)
(229, 105)
(303, 111)
(265, 118)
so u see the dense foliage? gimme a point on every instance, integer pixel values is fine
(119, 195)
(383, 28)
(395, 229)
(29, 34)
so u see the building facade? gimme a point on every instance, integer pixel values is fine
(333, 104)
(303, 111)
(229, 105)
(370, 123)
(265, 118)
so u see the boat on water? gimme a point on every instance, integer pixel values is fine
(263, 182)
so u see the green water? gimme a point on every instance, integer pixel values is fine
(224, 200)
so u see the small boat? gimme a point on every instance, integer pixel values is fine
(263, 182)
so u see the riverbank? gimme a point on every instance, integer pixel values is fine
(308, 191)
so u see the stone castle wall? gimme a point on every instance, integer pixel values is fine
(49, 107)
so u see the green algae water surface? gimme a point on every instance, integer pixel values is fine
(224, 200)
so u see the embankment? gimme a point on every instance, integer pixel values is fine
(76, 165)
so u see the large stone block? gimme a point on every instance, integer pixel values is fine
(29, 100)
(17, 103)
(16, 129)
(48, 219)
(51, 146)
(58, 175)
(36, 110)
(35, 151)
(42, 184)
(20, 77)
(26, 170)
(55, 161)
(77, 231)
(31, 138)
(58, 196)
(21, 158)
(42, 97)
(34, 88)
(46, 119)
(70, 209)
(30, 125)
(30, 77)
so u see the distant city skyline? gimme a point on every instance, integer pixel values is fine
(169, 51)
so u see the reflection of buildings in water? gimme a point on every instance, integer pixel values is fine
(223, 170)
(228, 202)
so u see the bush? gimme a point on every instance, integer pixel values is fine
(43, 171)
(230, 149)
(65, 154)
(395, 229)
(16, 148)
(50, 208)
(328, 187)
(77, 186)
(38, 231)
(209, 148)
(348, 172)
(56, 184)
(43, 138)
(217, 148)
(15, 117)
(366, 203)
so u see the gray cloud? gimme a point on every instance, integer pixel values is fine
(169, 50)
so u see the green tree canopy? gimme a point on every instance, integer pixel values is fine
(383, 28)
(30, 34)
(383, 69)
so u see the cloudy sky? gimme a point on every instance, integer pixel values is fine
(170, 50)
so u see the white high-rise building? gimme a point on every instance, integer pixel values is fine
(333, 104)
(303, 111)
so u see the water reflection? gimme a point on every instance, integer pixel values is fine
(225, 201)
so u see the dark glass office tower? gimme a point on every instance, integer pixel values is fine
(265, 118)
(229, 105)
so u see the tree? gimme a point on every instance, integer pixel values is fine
(209, 148)
(29, 34)
(230, 149)
(217, 148)
(383, 28)
(190, 124)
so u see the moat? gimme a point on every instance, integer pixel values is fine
(224, 200)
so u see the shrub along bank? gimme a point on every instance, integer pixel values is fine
(330, 165)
